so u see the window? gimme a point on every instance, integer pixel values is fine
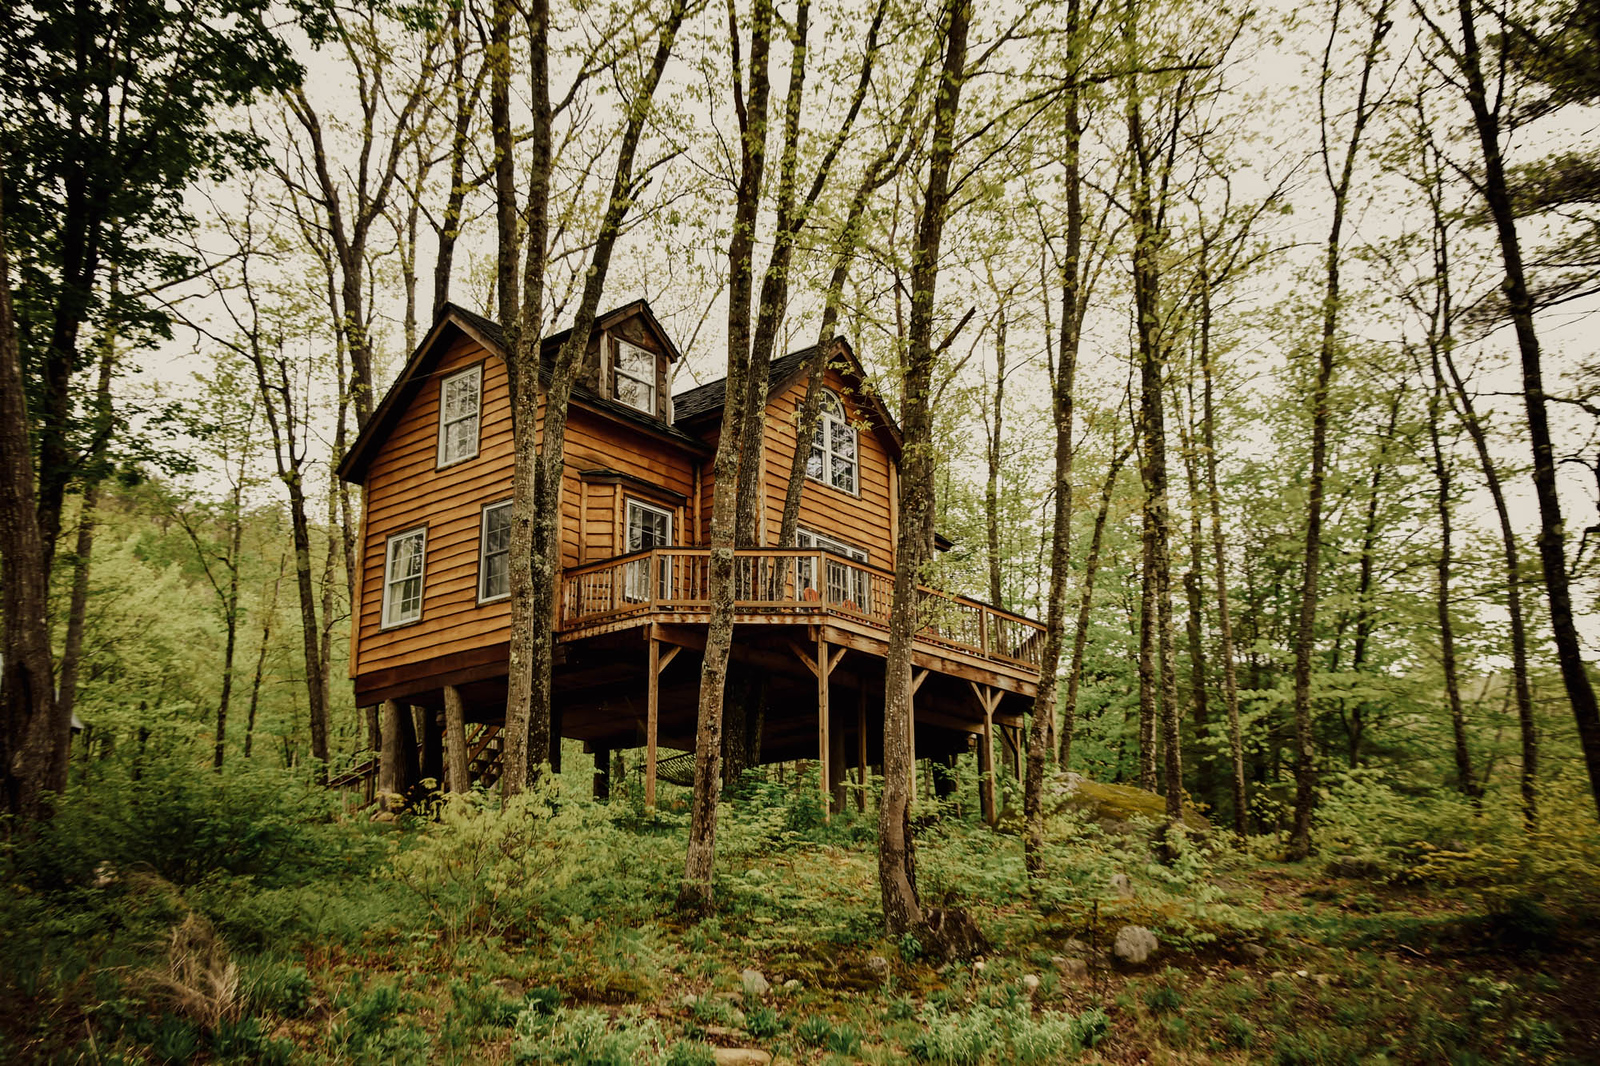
(833, 448)
(402, 577)
(635, 372)
(846, 584)
(648, 527)
(494, 553)
(459, 396)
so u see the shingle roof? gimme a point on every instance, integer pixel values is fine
(703, 399)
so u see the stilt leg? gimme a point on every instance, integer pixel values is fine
(823, 745)
(389, 758)
(861, 746)
(651, 721)
(602, 773)
(455, 740)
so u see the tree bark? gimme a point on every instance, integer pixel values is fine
(991, 488)
(1552, 531)
(694, 893)
(32, 730)
(902, 909)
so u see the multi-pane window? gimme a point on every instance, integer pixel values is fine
(402, 577)
(833, 447)
(648, 527)
(635, 372)
(494, 553)
(459, 403)
(845, 584)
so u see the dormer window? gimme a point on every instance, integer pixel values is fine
(460, 396)
(833, 448)
(634, 377)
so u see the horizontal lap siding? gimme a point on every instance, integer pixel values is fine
(404, 490)
(861, 520)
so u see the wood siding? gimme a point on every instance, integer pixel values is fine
(404, 490)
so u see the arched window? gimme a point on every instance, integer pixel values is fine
(833, 448)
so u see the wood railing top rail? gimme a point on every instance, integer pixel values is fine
(652, 593)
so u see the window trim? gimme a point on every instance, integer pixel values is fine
(389, 581)
(627, 521)
(824, 419)
(483, 555)
(439, 461)
(652, 386)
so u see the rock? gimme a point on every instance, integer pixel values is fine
(1276, 975)
(1114, 806)
(739, 1056)
(1134, 944)
(1254, 951)
(1120, 886)
(509, 988)
(725, 1032)
(1075, 948)
(385, 816)
(1073, 969)
(1323, 980)
(792, 985)
(878, 965)
(1354, 869)
(754, 983)
(979, 966)
(688, 1000)
(1031, 983)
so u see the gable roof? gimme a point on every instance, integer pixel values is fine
(453, 319)
(706, 400)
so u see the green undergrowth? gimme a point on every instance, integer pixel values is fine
(171, 915)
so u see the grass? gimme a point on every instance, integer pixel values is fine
(545, 934)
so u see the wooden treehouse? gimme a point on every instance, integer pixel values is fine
(431, 621)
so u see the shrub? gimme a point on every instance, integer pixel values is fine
(956, 1039)
(585, 1037)
(814, 1030)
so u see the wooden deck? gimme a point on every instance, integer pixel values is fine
(671, 585)
(810, 607)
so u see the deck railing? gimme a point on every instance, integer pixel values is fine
(800, 579)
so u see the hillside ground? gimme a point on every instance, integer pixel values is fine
(170, 914)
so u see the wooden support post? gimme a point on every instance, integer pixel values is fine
(917, 678)
(989, 700)
(602, 773)
(389, 758)
(652, 716)
(432, 748)
(861, 745)
(455, 740)
(407, 771)
(822, 670)
(555, 739)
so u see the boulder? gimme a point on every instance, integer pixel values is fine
(1134, 944)
(1071, 969)
(755, 984)
(878, 965)
(1030, 982)
(792, 985)
(1114, 806)
(1120, 886)
(1075, 947)
(1254, 951)
(740, 1056)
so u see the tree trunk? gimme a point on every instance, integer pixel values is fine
(1194, 592)
(694, 893)
(902, 909)
(1552, 535)
(1063, 398)
(1305, 794)
(31, 730)
(991, 488)
(1080, 635)
(1465, 779)
(527, 718)
(1225, 650)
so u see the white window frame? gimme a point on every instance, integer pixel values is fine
(483, 554)
(444, 458)
(636, 579)
(651, 385)
(855, 585)
(390, 619)
(826, 421)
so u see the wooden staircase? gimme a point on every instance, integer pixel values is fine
(486, 751)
